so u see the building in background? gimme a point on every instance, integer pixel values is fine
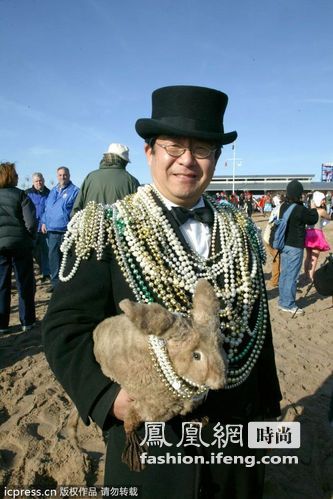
(261, 184)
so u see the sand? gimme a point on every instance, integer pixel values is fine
(41, 446)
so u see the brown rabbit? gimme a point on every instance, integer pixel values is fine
(165, 361)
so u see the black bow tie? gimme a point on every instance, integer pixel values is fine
(204, 215)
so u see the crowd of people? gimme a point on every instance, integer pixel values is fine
(243, 200)
(153, 244)
(33, 224)
(304, 232)
(265, 203)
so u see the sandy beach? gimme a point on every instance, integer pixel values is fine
(41, 446)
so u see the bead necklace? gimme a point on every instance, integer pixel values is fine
(182, 387)
(157, 267)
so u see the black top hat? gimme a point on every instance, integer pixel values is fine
(187, 111)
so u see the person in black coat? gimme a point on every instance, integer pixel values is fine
(291, 257)
(153, 246)
(18, 226)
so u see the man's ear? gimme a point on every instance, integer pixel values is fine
(148, 152)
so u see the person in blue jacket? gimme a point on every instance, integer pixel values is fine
(55, 218)
(38, 194)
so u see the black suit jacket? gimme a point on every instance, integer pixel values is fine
(94, 293)
(76, 307)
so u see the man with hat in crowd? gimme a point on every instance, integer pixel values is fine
(171, 226)
(291, 257)
(110, 182)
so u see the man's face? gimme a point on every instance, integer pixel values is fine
(38, 183)
(182, 180)
(63, 177)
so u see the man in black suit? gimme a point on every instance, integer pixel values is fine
(153, 246)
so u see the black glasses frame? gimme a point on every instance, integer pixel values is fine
(182, 149)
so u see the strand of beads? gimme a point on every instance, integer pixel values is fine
(125, 261)
(182, 388)
(252, 350)
(149, 252)
(154, 262)
(86, 231)
(177, 259)
(152, 270)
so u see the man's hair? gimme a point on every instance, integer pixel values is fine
(37, 175)
(151, 142)
(63, 168)
(110, 158)
(8, 175)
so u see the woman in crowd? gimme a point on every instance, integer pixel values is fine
(315, 240)
(17, 231)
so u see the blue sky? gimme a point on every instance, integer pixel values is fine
(77, 74)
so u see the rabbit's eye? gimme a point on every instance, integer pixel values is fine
(196, 355)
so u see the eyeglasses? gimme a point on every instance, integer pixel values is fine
(199, 152)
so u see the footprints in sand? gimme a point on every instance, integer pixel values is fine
(4, 415)
(36, 443)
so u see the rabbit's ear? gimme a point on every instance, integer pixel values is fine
(206, 305)
(150, 319)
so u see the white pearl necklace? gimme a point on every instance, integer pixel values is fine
(182, 387)
(158, 268)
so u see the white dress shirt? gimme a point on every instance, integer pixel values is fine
(196, 234)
